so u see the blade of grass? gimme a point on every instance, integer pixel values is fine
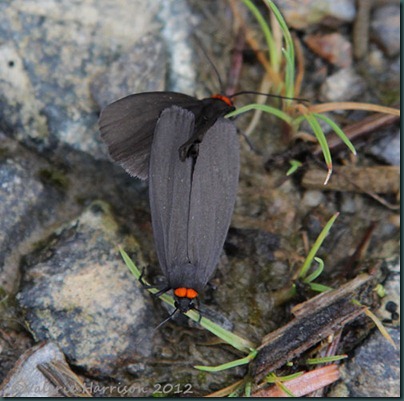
(319, 287)
(234, 388)
(311, 277)
(248, 388)
(380, 326)
(332, 106)
(228, 365)
(318, 132)
(289, 49)
(289, 76)
(272, 53)
(316, 246)
(295, 164)
(284, 389)
(267, 109)
(234, 340)
(338, 131)
(377, 322)
(325, 359)
(272, 378)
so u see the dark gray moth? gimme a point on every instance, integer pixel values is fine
(190, 154)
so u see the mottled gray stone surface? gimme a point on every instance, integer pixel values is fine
(77, 292)
(64, 207)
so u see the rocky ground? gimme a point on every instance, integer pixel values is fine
(64, 206)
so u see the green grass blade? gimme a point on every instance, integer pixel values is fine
(272, 378)
(234, 340)
(285, 390)
(272, 51)
(248, 388)
(337, 130)
(263, 107)
(295, 164)
(325, 359)
(289, 49)
(318, 132)
(311, 277)
(228, 365)
(289, 75)
(319, 287)
(316, 246)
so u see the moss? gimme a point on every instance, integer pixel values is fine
(54, 178)
(4, 152)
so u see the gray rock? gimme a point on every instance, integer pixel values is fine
(304, 13)
(312, 198)
(29, 198)
(385, 28)
(375, 369)
(388, 149)
(392, 289)
(349, 202)
(14, 179)
(141, 69)
(177, 31)
(77, 292)
(27, 380)
(342, 86)
(51, 51)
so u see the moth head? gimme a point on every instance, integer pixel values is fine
(184, 299)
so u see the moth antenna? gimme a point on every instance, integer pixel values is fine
(158, 326)
(166, 320)
(302, 100)
(216, 71)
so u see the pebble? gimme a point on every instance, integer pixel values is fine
(344, 85)
(385, 28)
(388, 148)
(312, 198)
(374, 371)
(305, 13)
(333, 47)
(27, 380)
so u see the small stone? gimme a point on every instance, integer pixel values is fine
(376, 59)
(344, 85)
(27, 380)
(385, 28)
(388, 149)
(391, 306)
(333, 47)
(348, 203)
(312, 198)
(303, 13)
(375, 358)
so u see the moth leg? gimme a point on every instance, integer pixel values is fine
(161, 292)
(147, 286)
(198, 310)
(189, 149)
(191, 146)
(144, 285)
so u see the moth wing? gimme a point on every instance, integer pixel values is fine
(170, 187)
(127, 127)
(214, 189)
